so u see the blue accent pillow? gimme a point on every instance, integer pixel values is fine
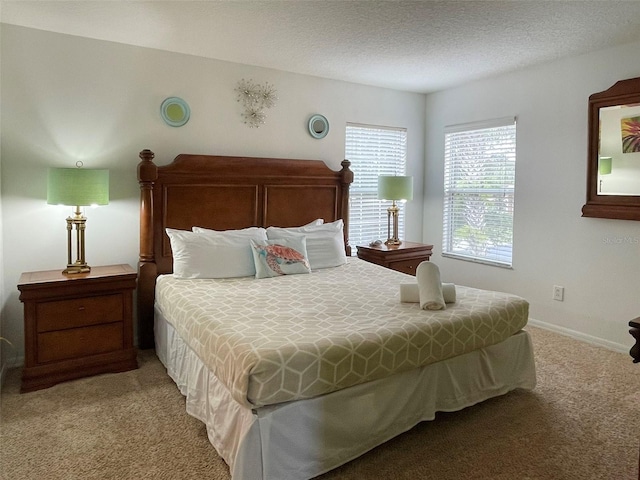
(273, 258)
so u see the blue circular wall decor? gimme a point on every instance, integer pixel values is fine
(175, 111)
(318, 126)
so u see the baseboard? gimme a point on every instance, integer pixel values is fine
(616, 347)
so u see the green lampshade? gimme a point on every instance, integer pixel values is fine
(392, 187)
(604, 165)
(78, 186)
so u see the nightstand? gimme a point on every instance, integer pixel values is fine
(404, 258)
(77, 325)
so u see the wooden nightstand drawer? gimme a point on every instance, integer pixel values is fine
(403, 258)
(407, 266)
(79, 342)
(79, 312)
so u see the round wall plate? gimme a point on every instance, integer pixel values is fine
(318, 126)
(175, 111)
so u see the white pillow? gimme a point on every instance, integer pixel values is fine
(317, 221)
(197, 255)
(249, 231)
(325, 243)
(284, 256)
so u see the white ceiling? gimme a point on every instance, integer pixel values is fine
(419, 46)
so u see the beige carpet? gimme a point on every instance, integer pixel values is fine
(581, 422)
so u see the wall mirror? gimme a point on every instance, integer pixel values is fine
(318, 126)
(613, 169)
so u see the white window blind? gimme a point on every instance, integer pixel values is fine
(373, 151)
(479, 186)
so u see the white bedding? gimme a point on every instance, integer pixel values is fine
(288, 338)
(300, 439)
(303, 439)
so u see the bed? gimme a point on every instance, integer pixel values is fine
(297, 374)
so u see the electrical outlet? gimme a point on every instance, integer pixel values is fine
(558, 293)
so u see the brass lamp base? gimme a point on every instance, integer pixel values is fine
(76, 268)
(392, 218)
(80, 265)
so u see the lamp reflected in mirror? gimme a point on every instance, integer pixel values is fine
(604, 168)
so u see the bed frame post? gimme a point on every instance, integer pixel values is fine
(346, 179)
(147, 268)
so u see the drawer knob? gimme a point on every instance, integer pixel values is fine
(81, 308)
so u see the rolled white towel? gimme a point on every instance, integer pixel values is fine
(449, 292)
(409, 293)
(429, 286)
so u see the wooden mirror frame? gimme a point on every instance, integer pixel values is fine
(622, 207)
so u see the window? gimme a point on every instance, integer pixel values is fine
(479, 185)
(373, 151)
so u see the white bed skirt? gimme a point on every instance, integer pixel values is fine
(302, 439)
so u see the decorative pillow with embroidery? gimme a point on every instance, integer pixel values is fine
(273, 258)
(325, 243)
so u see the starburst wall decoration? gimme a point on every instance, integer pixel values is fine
(255, 98)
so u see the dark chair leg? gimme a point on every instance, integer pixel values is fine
(635, 333)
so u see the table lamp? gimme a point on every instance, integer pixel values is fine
(77, 187)
(394, 187)
(604, 168)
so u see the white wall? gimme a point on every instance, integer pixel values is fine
(596, 260)
(67, 98)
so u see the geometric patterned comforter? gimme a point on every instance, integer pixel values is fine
(286, 338)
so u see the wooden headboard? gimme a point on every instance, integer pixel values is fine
(223, 193)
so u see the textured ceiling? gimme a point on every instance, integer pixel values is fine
(419, 46)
